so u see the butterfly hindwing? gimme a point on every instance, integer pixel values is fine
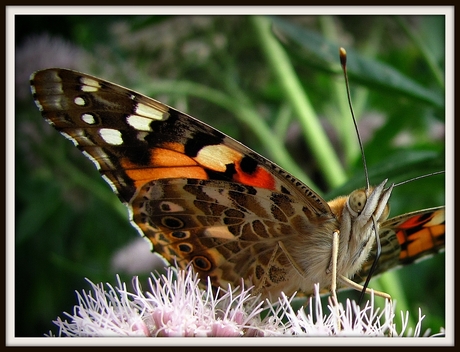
(229, 231)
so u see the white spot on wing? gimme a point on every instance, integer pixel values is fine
(88, 118)
(111, 136)
(140, 123)
(217, 157)
(438, 218)
(89, 84)
(151, 112)
(141, 136)
(79, 101)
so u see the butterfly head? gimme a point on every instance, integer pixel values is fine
(368, 202)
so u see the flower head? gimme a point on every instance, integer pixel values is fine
(176, 306)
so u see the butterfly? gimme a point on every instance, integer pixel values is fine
(204, 199)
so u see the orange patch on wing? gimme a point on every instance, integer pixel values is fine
(412, 222)
(421, 241)
(142, 176)
(160, 157)
(165, 157)
(259, 178)
(178, 147)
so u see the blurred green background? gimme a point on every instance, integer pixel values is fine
(224, 71)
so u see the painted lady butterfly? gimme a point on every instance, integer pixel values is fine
(201, 197)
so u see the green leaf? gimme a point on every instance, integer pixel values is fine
(316, 50)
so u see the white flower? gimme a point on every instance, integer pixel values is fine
(177, 306)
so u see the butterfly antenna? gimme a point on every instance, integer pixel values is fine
(343, 62)
(418, 177)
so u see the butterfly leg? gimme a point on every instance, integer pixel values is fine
(335, 253)
(333, 269)
(347, 282)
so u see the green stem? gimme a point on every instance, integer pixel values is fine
(314, 134)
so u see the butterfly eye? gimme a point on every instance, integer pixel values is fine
(357, 201)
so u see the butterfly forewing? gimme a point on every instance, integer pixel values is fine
(133, 138)
(201, 197)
